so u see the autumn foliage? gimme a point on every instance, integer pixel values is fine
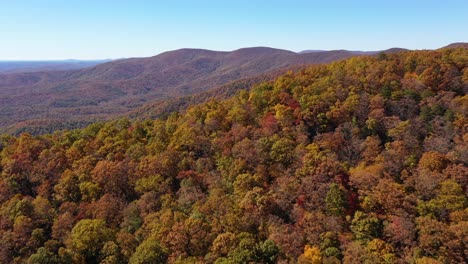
(358, 161)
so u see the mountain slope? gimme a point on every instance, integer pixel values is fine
(119, 86)
(45, 101)
(161, 108)
(457, 45)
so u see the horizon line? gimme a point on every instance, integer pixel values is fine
(215, 50)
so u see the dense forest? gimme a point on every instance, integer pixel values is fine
(358, 161)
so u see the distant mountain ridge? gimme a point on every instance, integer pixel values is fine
(53, 65)
(356, 52)
(457, 45)
(120, 86)
(123, 86)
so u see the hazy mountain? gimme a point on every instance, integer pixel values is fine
(310, 51)
(142, 86)
(457, 45)
(356, 52)
(161, 108)
(37, 66)
(119, 86)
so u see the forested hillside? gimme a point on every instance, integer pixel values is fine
(51, 100)
(358, 161)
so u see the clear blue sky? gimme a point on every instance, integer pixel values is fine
(98, 29)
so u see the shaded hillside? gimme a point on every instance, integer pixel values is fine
(457, 45)
(358, 52)
(162, 108)
(155, 109)
(358, 161)
(117, 87)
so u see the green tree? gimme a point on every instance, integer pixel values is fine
(330, 245)
(268, 252)
(335, 200)
(43, 256)
(365, 227)
(450, 197)
(149, 252)
(88, 237)
(282, 151)
(377, 251)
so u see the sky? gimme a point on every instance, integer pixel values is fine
(110, 29)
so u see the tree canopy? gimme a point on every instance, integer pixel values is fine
(357, 161)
